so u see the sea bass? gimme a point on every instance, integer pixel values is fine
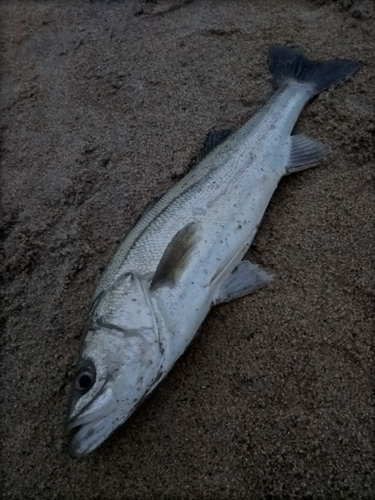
(184, 254)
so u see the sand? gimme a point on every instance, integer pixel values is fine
(104, 106)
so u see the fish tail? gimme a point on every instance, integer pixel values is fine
(287, 63)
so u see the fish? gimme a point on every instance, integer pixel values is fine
(185, 253)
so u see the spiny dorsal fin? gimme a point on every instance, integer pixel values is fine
(175, 256)
(147, 208)
(213, 139)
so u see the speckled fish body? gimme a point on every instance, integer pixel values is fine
(184, 254)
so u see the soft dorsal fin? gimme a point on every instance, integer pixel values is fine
(176, 256)
(213, 139)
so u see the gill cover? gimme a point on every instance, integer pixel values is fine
(125, 306)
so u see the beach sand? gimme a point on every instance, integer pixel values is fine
(104, 106)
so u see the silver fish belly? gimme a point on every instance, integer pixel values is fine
(185, 253)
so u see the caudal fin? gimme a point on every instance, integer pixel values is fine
(287, 63)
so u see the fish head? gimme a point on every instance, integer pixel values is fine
(120, 362)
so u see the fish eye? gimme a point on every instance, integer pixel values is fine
(84, 379)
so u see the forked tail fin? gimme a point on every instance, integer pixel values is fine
(287, 63)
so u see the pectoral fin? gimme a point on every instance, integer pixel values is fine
(245, 278)
(305, 153)
(176, 256)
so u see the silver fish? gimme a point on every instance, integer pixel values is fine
(185, 252)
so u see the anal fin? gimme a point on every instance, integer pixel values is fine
(244, 279)
(305, 153)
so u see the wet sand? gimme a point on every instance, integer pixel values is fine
(104, 106)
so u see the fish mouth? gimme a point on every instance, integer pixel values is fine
(93, 424)
(88, 436)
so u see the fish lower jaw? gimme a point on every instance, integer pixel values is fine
(89, 436)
